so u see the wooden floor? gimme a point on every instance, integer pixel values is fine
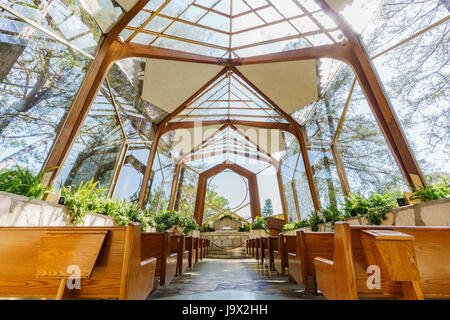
(231, 279)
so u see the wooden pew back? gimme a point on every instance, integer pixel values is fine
(301, 263)
(286, 244)
(414, 262)
(158, 244)
(178, 246)
(189, 245)
(272, 245)
(30, 266)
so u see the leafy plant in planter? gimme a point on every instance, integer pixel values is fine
(259, 224)
(23, 182)
(87, 198)
(288, 227)
(296, 225)
(379, 205)
(207, 228)
(332, 214)
(168, 219)
(189, 224)
(356, 205)
(245, 228)
(124, 212)
(314, 221)
(433, 192)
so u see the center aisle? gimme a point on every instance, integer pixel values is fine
(231, 279)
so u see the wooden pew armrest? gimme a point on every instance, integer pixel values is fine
(147, 261)
(323, 260)
(325, 277)
(323, 265)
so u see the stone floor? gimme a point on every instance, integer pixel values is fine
(231, 279)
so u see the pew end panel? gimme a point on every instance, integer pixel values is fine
(26, 273)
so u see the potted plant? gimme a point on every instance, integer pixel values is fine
(174, 222)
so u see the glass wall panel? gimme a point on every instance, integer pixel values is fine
(39, 78)
(268, 190)
(292, 169)
(132, 173)
(69, 19)
(290, 201)
(416, 78)
(368, 161)
(95, 150)
(326, 178)
(188, 192)
(397, 20)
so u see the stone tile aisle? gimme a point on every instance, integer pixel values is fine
(231, 279)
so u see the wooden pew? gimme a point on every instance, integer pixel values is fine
(262, 249)
(272, 244)
(36, 262)
(414, 263)
(189, 245)
(158, 244)
(207, 247)
(286, 244)
(197, 249)
(200, 248)
(257, 247)
(247, 247)
(252, 247)
(301, 262)
(178, 246)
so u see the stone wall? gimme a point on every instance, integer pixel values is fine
(226, 239)
(431, 213)
(19, 211)
(227, 222)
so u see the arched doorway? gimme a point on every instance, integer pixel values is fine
(255, 206)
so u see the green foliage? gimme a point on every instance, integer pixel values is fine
(207, 228)
(296, 225)
(167, 219)
(245, 228)
(332, 214)
(356, 205)
(379, 204)
(229, 216)
(437, 191)
(83, 199)
(267, 211)
(87, 198)
(259, 224)
(22, 182)
(373, 208)
(314, 221)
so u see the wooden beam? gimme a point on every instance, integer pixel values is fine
(173, 190)
(340, 167)
(92, 82)
(258, 124)
(336, 51)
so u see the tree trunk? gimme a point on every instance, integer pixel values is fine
(179, 189)
(12, 159)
